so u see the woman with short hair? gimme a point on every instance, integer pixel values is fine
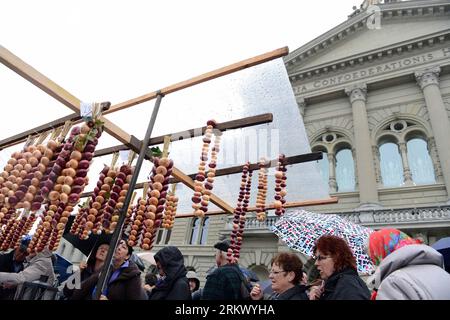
(286, 275)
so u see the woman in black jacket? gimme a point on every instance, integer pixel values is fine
(93, 265)
(173, 284)
(337, 267)
(124, 283)
(286, 275)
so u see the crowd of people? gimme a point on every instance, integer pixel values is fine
(406, 269)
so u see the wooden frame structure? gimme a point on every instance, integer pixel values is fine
(130, 142)
(41, 81)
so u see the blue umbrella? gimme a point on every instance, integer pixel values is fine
(266, 286)
(250, 275)
(443, 246)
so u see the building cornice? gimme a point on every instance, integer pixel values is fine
(391, 51)
(403, 9)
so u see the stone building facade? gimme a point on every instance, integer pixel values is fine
(374, 94)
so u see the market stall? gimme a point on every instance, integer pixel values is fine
(255, 116)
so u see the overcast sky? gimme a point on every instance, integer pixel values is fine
(117, 50)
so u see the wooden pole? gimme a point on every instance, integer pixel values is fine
(238, 169)
(60, 94)
(297, 204)
(278, 53)
(38, 79)
(21, 137)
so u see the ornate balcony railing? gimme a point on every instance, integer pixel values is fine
(373, 218)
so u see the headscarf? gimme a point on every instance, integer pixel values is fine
(384, 242)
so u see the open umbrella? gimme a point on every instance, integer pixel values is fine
(266, 286)
(300, 230)
(443, 246)
(248, 274)
(138, 261)
(148, 257)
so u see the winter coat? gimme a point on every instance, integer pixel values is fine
(127, 286)
(175, 285)
(7, 262)
(297, 292)
(37, 266)
(226, 283)
(84, 274)
(7, 265)
(345, 285)
(413, 272)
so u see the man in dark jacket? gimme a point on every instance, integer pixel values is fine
(226, 282)
(13, 262)
(173, 284)
(124, 282)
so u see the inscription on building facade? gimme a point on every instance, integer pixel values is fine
(373, 71)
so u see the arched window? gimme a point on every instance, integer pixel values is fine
(163, 236)
(324, 166)
(194, 231)
(391, 165)
(420, 162)
(345, 170)
(205, 229)
(168, 236)
(199, 231)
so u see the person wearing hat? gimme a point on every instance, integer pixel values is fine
(13, 262)
(194, 284)
(124, 282)
(194, 281)
(227, 281)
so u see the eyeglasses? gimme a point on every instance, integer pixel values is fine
(276, 272)
(320, 258)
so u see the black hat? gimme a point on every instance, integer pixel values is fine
(223, 245)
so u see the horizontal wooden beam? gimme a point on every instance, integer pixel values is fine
(191, 133)
(306, 203)
(238, 169)
(22, 137)
(203, 78)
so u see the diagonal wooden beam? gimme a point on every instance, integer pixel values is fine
(38, 79)
(69, 100)
(278, 53)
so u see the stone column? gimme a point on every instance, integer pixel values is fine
(368, 192)
(376, 159)
(407, 176)
(332, 172)
(301, 106)
(428, 81)
(355, 167)
(435, 158)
